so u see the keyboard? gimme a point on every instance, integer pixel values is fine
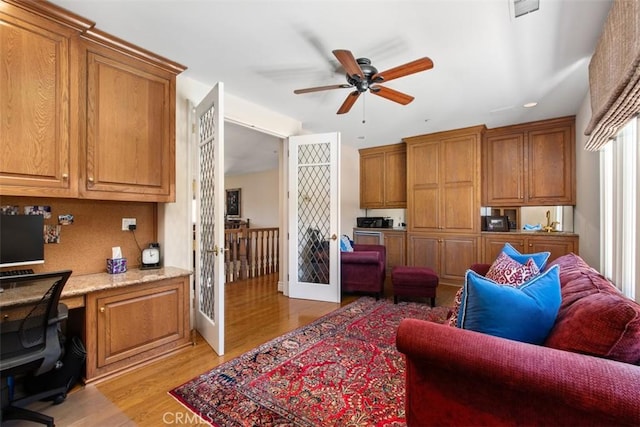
(16, 272)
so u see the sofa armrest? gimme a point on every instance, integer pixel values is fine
(456, 376)
(481, 269)
(362, 257)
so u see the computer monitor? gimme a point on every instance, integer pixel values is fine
(21, 240)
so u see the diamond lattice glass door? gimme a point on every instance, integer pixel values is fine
(313, 207)
(210, 222)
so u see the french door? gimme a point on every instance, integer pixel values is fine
(314, 211)
(209, 292)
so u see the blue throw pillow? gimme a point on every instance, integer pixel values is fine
(524, 314)
(345, 244)
(540, 258)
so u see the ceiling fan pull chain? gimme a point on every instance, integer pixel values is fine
(364, 102)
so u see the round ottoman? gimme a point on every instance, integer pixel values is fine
(414, 282)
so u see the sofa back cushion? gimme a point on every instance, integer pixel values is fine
(594, 317)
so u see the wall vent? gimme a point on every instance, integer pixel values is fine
(522, 7)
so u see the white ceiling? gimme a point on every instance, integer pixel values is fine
(487, 64)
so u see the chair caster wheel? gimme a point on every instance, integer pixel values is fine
(59, 398)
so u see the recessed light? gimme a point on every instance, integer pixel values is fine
(361, 137)
(530, 104)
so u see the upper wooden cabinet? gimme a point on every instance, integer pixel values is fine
(38, 84)
(383, 177)
(129, 138)
(82, 113)
(530, 164)
(443, 181)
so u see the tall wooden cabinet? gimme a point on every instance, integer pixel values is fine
(443, 206)
(530, 164)
(82, 113)
(443, 181)
(383, 177)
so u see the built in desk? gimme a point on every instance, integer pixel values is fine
(125, 319)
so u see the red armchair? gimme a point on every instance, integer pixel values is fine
(364, 269)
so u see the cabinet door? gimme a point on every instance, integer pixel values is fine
(551, 166)
(130, 129)
(557, 245)
(460, 181)
(37, 146)
(457, 254)
(424, 251)
(135, 323)
(395, 179)
(492, 246)
(395, 242)
(503, 171)
(423, 180)
(372, 181)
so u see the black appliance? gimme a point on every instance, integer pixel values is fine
(374, 222)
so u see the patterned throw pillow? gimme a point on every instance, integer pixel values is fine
(504, 271)
(507, 271)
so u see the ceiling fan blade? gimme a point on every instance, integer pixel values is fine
(319, 88)
(412, 67)
(391, 94)
(348, 103)
(349, 62)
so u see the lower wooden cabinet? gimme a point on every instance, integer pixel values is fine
(395, 241)
(396, 244)
(557, 244)
(134, 324)
(449, 255)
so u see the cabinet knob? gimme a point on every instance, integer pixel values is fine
(90, 179)
(65, 176)
(101, 309)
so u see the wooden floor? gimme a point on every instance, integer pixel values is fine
(255, 313)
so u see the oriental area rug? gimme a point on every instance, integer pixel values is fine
(341, 370)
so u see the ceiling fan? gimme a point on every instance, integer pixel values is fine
(363, 76)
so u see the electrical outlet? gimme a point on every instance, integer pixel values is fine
(126, 222)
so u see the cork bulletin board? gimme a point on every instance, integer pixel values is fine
(85, 245)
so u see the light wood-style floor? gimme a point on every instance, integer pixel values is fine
(255, 313)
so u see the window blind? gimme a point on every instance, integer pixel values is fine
(614, 74)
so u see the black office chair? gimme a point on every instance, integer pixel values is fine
(30, 343)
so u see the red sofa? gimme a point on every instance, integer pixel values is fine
(586, 374)
(364, 269)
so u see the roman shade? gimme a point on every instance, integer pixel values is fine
(614, 74)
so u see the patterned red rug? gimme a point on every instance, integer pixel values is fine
(343, 369)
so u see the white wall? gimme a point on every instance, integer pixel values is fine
(587, 211)
(349, 188)
(259, 197)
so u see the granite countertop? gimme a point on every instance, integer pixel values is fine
(84, 284)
